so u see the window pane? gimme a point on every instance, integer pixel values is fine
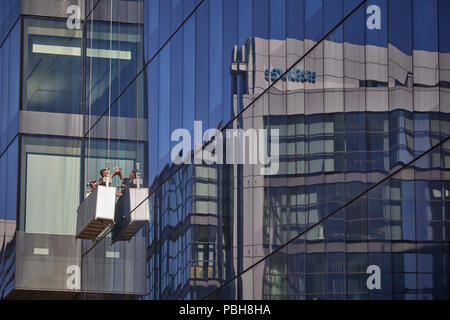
(50, 188)
(53, 64)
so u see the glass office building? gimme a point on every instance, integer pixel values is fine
(359, 93)
(357, 90)
(62, 63)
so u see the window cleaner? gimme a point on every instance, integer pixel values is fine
(96, 212)
(132, 209)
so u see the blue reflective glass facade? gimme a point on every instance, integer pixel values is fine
(59, 74)
(357, 90)
(10, 30)
(361, 105)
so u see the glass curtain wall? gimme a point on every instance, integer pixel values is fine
(8, 216)
(352, 101)
(115, 122)
(53, 64)
(50, 149)
(50, 188)
(9, 93)
(10, 29)
(8, 17)
(362, 116)
(341, 266)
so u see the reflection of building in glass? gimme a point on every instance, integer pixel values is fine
(330, 155)
(363, 116)
(351, 110)
(185, 256)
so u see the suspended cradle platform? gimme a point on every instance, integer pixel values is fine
(128, 225)
(96, 212)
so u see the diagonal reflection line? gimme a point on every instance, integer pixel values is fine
(92, 10)
(10, 30)
(328, 216)
(108, 231)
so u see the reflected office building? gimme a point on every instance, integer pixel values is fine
(358, 91)
(356, 207)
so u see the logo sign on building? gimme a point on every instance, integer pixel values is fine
(295, 75)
